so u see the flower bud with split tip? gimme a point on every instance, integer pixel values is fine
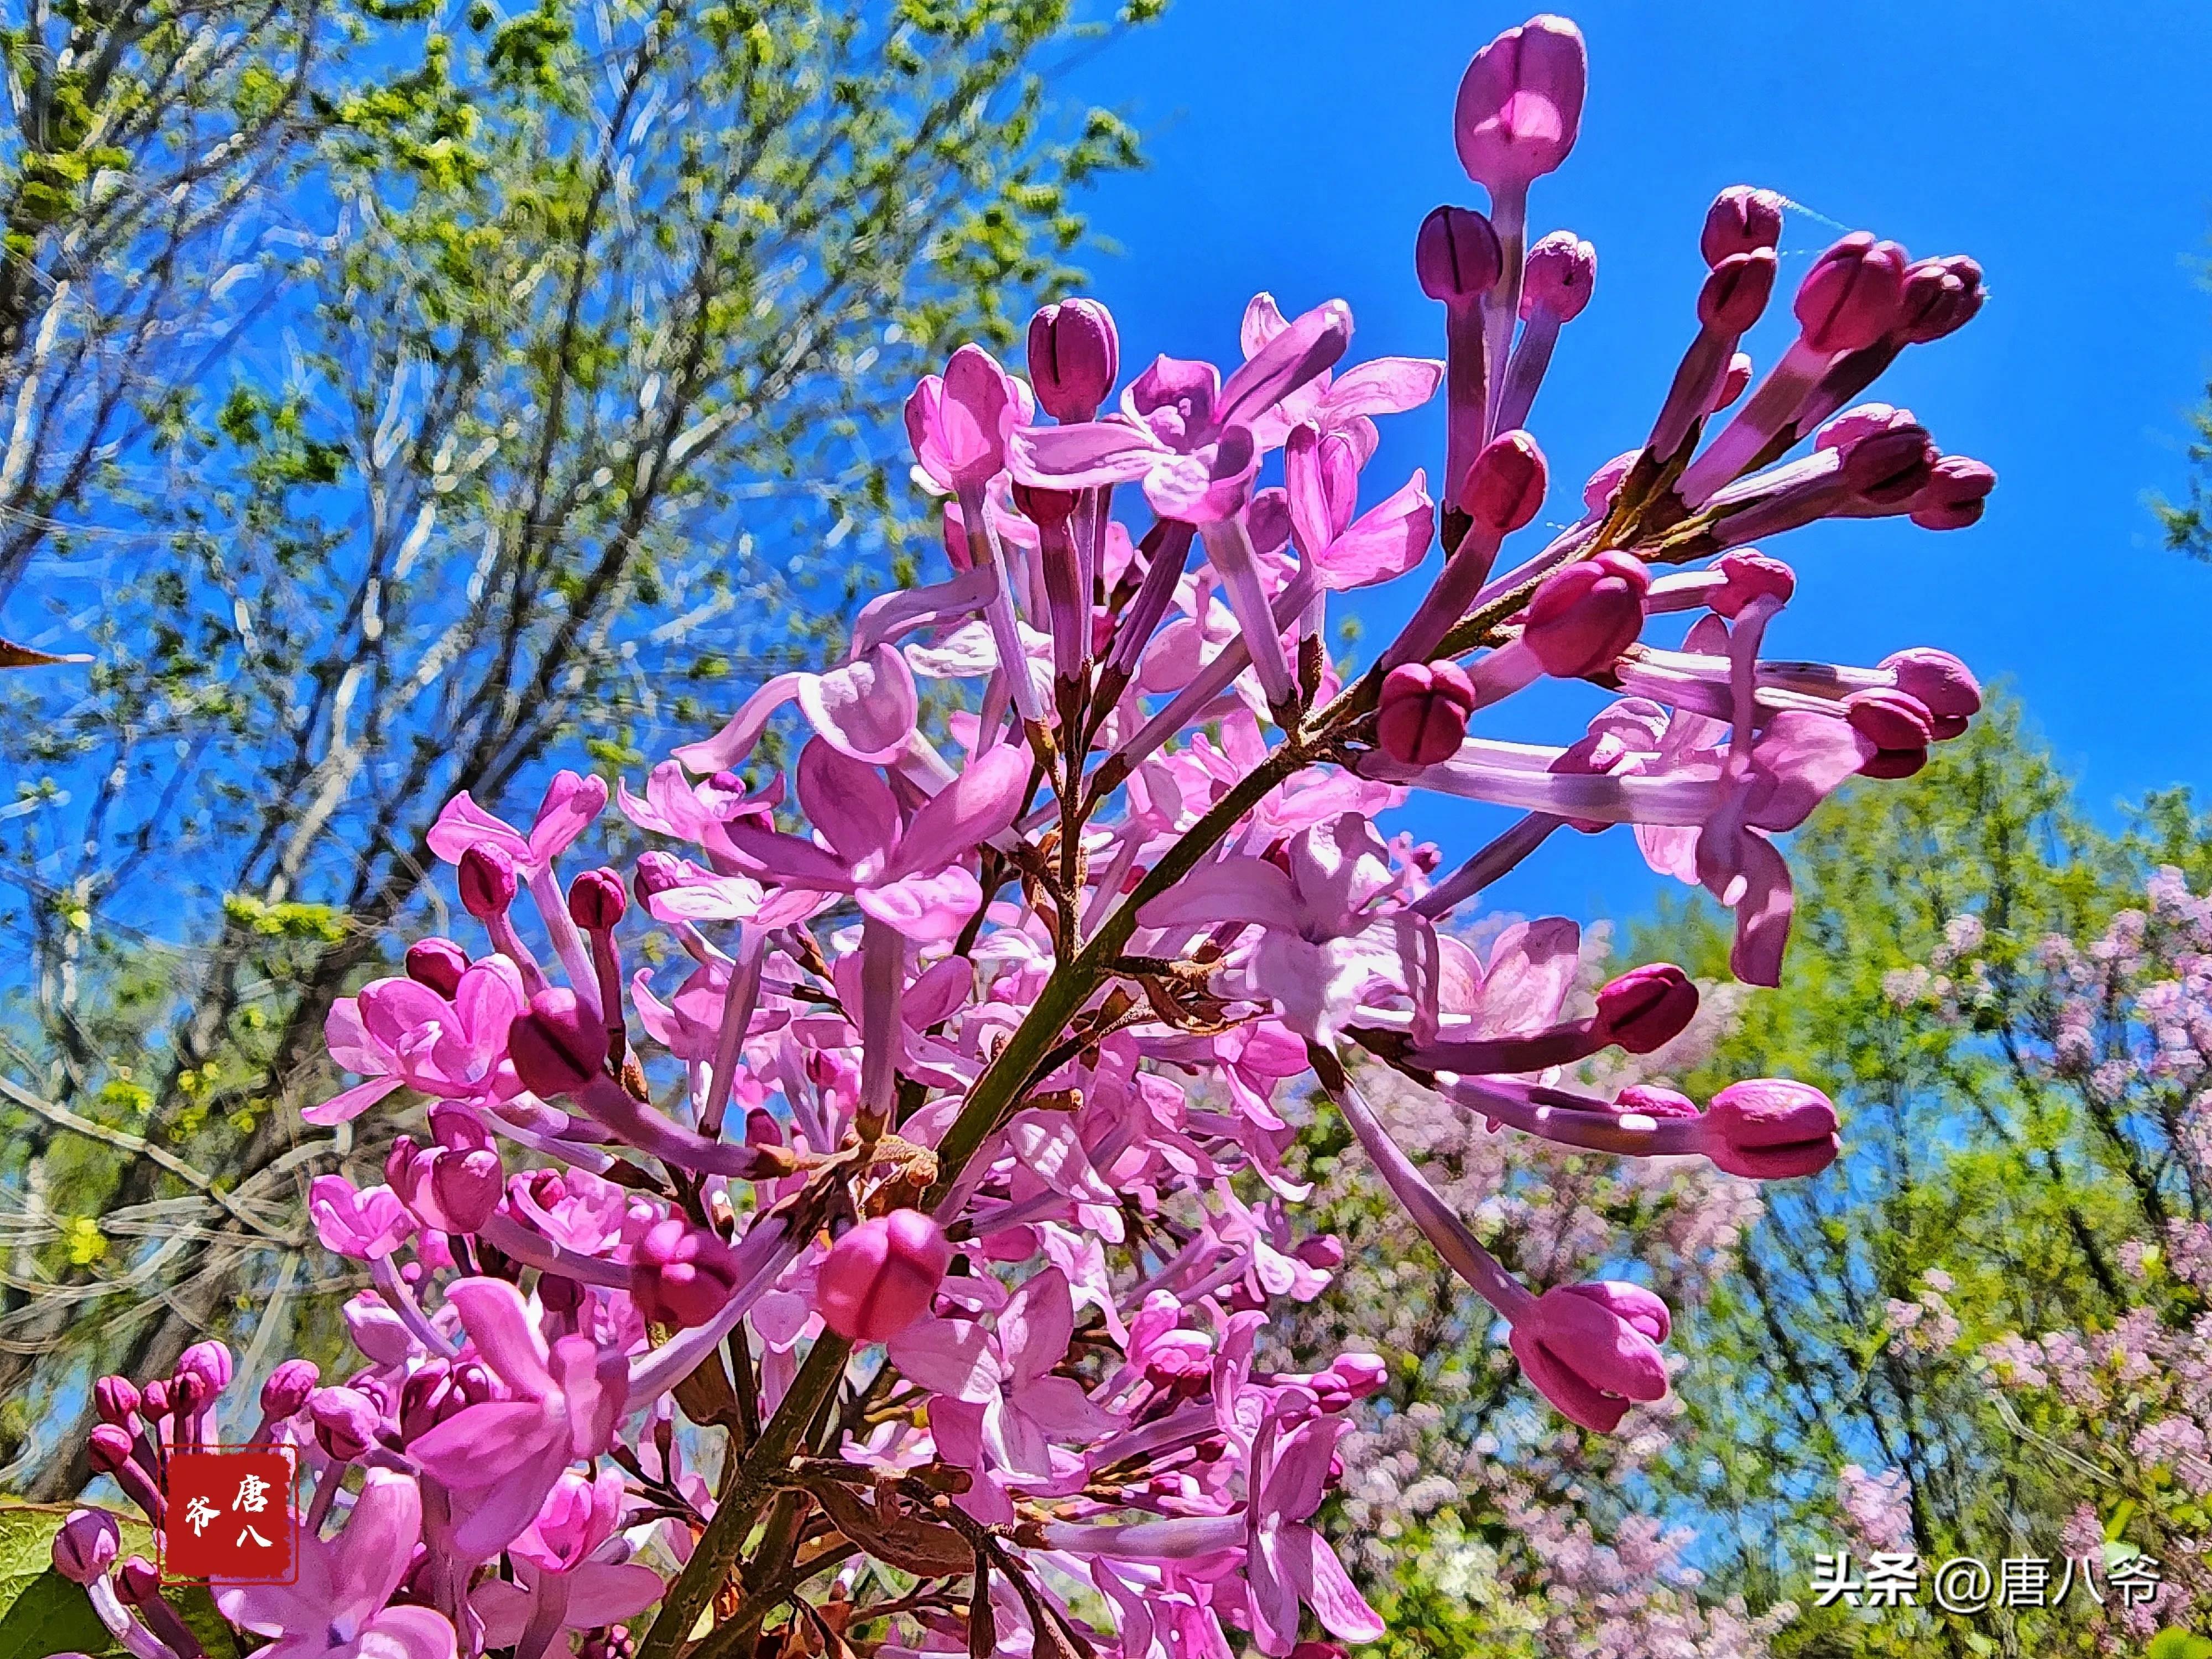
(879, 1278)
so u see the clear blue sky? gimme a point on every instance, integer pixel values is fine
(1295, 148)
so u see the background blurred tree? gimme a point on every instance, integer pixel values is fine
(513, 458)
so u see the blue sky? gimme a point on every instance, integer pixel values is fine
(1295, 148)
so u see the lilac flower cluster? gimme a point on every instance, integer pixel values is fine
(938, 1206)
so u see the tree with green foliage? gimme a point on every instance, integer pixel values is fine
(577, 410)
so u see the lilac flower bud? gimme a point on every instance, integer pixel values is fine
(475, 1383)
(1742, 219)
(1322, 1251)
(1652, 1100)
(288, 1388)
(1862, 421)
(1736, 290)
(1075, 357)
(153, 1401)
(1505, 485)
(1939, 681)
(1770, 1129)
(377, 1329)
(427, 1398)
(438, 963)
(1751, 575)
(1360, 1374)
(1560, 272)
(1892, 467)
(1421, 715)
(1521, 103)
(1044, 507)
(1889, 719)
(1734, 379)
(1319, 1651)
(681, 1274)
(1889, 765)
(1593, 1349)
(115, 1399)
(487, 880)
(1955, 495)
(467, 1186)
(1850, 297)
(879, 1278)
(87, 1546)
(655, 874)
(108, 1448)
(1598, 492)
(346, 1421)
(1941, 296)
(1587, 613)
(1456, 256)
(976, 406)
(559, 1293)
(596, 902)
(457, 1129)
(1648, 1007)
(138, 1584)
(189, 1394)
(559, 1046)
(401, 1172)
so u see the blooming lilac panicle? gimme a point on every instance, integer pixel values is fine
(949, 1177)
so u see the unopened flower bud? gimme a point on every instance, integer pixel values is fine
(1890, 719)
(1044, 507)
(1742, 219)
(487, 880)
(1456, 258)
(1734, 379)
(1648, 1007)
(1751, 575)
(1075, 357)
(115, 1399)
(559, 1293)
(559, 1046)
(1421, 715)
(467, 1186)
(1593, 1349)
(210, 1362)
(596, 900)
(1941, 296)
(189, 1394)
(153, 1401)
(1939, 681)
(108, 1448)
(1587, 613)
(1650, 1100)
(1850, 297)
(138, 1584)
(879, 1278)
(1955, 493)
(1770, 1128)
(1521, 103)
(1604, 483)
(1360, 1374)
(1736, 290)
(87, 1546)
(346, 1421)
(1557, 280)
(288, 1388)
(1890, 765)
(1505, 485)
(1322, 1251)
(1892, 467)
(682, 1275)
(437, 963)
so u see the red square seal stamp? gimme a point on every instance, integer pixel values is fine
(230, 1517)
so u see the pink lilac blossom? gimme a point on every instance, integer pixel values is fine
(946, 1196)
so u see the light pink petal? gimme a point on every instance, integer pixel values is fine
(504, 1608)
(1034, 1326)
(1762, 914)
(1208, 485)
(866, 708)
(1230, 890)
(378, 1545)
(1671, 850)
(735, 741)
(1799, 759)
(1311, 344)
(948, 1356)
(1293, 1487)
(1263, 321)
(344, 1108)
(927, 909)
(1016, 1441)
(709, 898)
(462, 824)
(347, 1039)
(1058, 1406)
(787, 858)
(977, 804)
(404, 1634)
(1272, 1597)
(1386, 386)
(1531, 968)
(606, 1593)
(391, 1008)
(496, 1516)
(482, 1445)
(848, 802)
(1322, 1581)
(1081, 456)
(1385, 542)
(572, 804)
(499, 1322)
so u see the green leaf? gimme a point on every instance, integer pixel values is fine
(2178, 1645)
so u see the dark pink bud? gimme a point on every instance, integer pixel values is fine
(189, 1394)
(1421, 715)
(153, 1402)
(1939, 681)
(596, 900)
(1892, 467)
(467, 1186)
(1603, 484)
(1954, 496)
(1505, 485)
(1044, 507)
(559, 1294)
(1521, 103)
(1850, 297)
(1652, 1100)
(1734, 379)
(1323, 1250)
(108, 1448)
(1319, 1651)
(1075, 357)
(115, 1399)
(438, 963)
(559, 1046)
(1770, 1128)
(209, 1361)
(426, 1399)
(457, 1129)
(1647, 1007)
(1587, 613)
(1456, 256)
(1890, 719)
(656, 873)
(87, 1545)
(346, 1421)
(400, 1173)
(682, 1275)
(487, 880)
(972, 413)
(1888, 765)
(878, 1279)
(1736, 290)
(475, 1384)
(1751, 575)
(288, 1388)
(1941, 296)
(136, 1582)
(1557, 280)
(1590, 1349)
(1742, 219)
